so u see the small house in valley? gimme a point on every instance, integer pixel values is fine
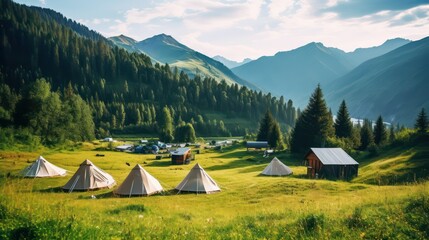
(331, 163)
(181, 156)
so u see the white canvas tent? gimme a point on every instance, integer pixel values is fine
(139, 183)
(42, 168)
(89, 177)
(276, 168)
(198, 181)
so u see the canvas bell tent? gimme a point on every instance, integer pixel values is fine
(139, 183)
(198, 181)
(276, 168)
(42, 168)
(89, 177)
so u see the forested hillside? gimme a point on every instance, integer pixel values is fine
(124, 90)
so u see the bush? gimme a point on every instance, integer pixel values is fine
(356, 220)
(312, 223)
(373, 149)
(417, 214)
(344, 143)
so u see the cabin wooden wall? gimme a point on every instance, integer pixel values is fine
(314, 165)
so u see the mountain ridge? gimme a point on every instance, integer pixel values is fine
(394, 85)
(163, 48)
(230, 63)
(295, 73)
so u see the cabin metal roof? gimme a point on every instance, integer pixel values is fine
(180, 151)
(333, 156)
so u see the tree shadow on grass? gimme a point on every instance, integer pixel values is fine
(239, 163)
(159, 163)
(52, 190)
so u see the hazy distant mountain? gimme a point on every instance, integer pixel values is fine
(393, 85)
(229, 63)
(361, 55)
(163, 48)
(295, 74)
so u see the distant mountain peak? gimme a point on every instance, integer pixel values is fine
(165, 39)
(124, 39)
(398, 39)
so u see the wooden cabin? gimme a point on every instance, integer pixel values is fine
(330, 163)
(257, 145)
(181, 156)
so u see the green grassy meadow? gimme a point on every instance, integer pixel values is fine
(249, 206)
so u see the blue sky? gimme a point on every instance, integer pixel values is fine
(238, 29)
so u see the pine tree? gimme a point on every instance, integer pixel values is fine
(165, 126)
(392, 136)
(343, 124)
(366, 136)
(275, 138)
(380, 134)
(264, 127)
(422, 123)
(314, 125)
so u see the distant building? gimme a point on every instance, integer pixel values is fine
(331, 163)
(181, 156)
(124, 147)
(257, 145)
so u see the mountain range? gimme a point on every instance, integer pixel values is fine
(294, 74)
(164, 49)
(393, 85)
(385, 80)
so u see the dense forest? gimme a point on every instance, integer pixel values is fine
(125, 92)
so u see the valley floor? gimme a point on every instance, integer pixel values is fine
(249, 205)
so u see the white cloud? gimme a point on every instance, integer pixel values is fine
(42, 2)
(238, 29)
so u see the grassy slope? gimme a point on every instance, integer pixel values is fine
(190, 67)
(248, 206)
(396, 166)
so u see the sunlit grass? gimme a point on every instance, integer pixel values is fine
(247, 205)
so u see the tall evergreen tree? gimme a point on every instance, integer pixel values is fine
(265, 126)
(275, 138)
(343, 123)
(314, 125)
(189, 133)
(392, 136)
(366, 135)
(165, 126)
(422, 123)
(380, 134)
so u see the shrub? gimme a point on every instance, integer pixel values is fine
(417, 214)
(312, 222)
(356, 220)
(373, 149)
